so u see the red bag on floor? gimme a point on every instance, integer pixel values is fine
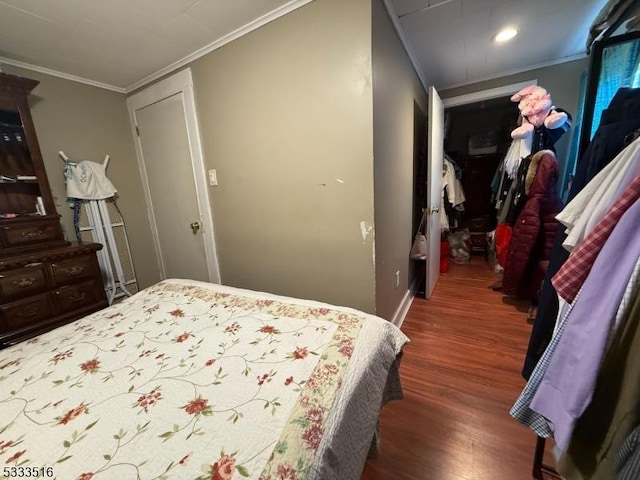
(503, 237)
(444, 257)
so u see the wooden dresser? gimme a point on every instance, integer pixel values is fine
(45, 281)
(45, 289)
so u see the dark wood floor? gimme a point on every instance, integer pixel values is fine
(460, 375)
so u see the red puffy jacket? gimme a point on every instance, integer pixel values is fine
(534, 231)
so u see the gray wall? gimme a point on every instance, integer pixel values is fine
(286, 119)
(562, 81)
(395, 88)
(87, 123)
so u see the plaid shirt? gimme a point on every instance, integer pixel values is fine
(572, 274)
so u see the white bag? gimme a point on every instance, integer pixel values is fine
(419, 247)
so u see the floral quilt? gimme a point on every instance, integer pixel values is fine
(184, 380)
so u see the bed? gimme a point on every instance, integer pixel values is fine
(192, 380)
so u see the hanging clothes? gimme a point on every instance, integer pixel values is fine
(453, 196)
(504, 184)
(567, 386)
(599, 435)
(511, 196)
(601, 286)
(519, 149)
(533, 232)
(506, 177)
(588, 206)
(584, 391)
(621, 118)
(572, 274)
(518, 192)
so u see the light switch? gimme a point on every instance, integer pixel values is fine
(213, 177)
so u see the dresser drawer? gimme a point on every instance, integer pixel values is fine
(73, 297)
(23, 281)
(71, 269)
(25, 313)
(30, 233)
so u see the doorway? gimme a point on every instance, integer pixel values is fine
(476, 142)
(427, 176)
(164, 123)
(478, 136)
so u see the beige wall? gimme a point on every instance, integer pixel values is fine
(395, 88)
(562, 81)
(87, 123)
(286, 120)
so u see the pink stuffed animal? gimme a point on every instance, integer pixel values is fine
(536, 109)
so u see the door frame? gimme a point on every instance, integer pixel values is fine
(179, 83)
(488, 94)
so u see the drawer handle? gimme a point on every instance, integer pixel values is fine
(28, 311)
(72, 271)
(77, 297)
(33, 234)
(24, 282)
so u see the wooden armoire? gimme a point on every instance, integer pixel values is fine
(45, 280)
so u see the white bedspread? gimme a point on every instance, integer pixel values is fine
(192, 380)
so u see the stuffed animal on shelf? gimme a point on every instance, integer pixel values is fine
(536, 111)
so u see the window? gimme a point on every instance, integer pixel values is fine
(620, 68)
(615, 63)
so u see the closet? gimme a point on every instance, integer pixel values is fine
(476, 139)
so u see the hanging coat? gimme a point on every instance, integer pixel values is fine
(535, 228)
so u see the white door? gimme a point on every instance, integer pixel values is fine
(434, 189)
(170, 159)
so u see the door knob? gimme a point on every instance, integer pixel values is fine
(195, 226)
(434, 209)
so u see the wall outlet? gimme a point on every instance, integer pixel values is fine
(398, 279)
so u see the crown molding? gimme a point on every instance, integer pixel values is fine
(244, 30)
(56, 73)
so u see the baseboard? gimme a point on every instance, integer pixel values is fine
(405, 304)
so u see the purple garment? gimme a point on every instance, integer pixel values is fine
(568, 384)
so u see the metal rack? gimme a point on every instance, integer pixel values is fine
(100, 221)
(542, 471)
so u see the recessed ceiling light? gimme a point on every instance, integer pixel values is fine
(505, 35)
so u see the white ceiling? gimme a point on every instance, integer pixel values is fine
(452, 39)
(121, 44)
